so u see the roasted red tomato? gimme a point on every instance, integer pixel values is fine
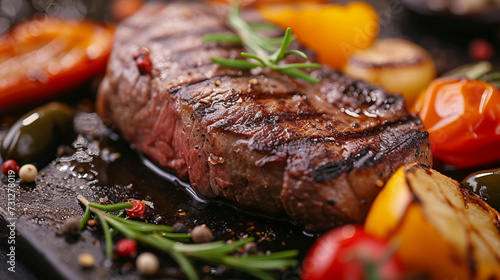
(463, 120)
(42, 58)
(349, 252)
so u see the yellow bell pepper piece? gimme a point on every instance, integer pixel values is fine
(442, 230)
(334, 32)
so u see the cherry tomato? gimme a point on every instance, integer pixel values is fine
(349, 252)
(126, 247)
(10, 165)
(44, 57)
(462, 118)
(137, 211)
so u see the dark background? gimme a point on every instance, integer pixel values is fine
(445, 36)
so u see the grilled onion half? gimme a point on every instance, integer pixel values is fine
(397, 64)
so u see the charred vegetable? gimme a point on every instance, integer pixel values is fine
(44, 57)
(486, 184)
(397, 64)
(34, 138)
(443, 231)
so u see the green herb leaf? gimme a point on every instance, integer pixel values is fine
(185, 265)
(470, 71)
(298, 74)
(112, 207)
(258, 263)
(264, 26)
(225, 38)
(271, 42)
(107, 234)
(297, 65)
(280, 54)
(181, 237)
(262, 49)
(235, 63)
(492, 78)
(253, 56)
(299, 53)
(85, 218)
(163, 238)
(275, 256)
(143, 227)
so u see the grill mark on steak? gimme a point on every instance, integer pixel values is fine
(363, 159)
(331, 170)
(207, 105)
(261, 139)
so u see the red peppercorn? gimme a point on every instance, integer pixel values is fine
(137, 211)
(481, 49)
(126, 247)
(10, 165)
(143, 64)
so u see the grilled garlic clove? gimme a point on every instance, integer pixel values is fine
(397, 64)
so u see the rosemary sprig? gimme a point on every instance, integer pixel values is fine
(482, 70)
(471, 71)
(492, 78)
(163, 238)
(262, 50)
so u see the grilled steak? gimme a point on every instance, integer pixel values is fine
(317, 152)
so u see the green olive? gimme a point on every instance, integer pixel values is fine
(34, 138)
(486, 184)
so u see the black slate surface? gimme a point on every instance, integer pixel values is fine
(41, 208)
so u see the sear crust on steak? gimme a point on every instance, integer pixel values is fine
(317, 152)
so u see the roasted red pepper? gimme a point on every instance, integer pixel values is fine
(463, 120)
(42, 58)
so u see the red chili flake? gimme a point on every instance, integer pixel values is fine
(143, 64)
(481, 50)
(126, 247)
(137, 211)
(10, 165)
